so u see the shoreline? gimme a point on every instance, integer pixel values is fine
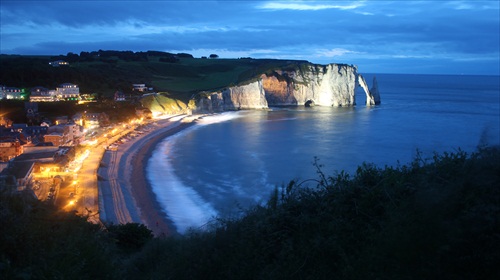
(152, 214)
(125, 194)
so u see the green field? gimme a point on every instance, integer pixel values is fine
(106, 75)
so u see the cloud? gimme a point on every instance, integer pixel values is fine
(307, 6)
(320, 31)
(225, 53)
(478, 5)
(332, 53)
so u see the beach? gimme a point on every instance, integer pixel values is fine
(125, 194)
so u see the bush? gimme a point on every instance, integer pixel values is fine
(433, 219)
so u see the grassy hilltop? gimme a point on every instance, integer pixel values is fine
(105, 72)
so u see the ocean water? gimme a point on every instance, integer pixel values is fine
(231, 161)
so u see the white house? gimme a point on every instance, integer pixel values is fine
(68, 91)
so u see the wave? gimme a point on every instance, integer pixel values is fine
(182, 204)
(218, 118)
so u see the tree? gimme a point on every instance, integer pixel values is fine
(131, 236)
(213, 56)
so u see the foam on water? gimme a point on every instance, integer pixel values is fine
(182, 204)
(217, 118)
(240, 158)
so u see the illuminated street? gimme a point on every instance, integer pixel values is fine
(118, 205)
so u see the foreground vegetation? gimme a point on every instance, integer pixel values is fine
(435, 218)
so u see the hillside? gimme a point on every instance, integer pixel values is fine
(436, 218)
(104, 72)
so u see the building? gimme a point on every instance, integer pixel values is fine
(56, 138)
(35, 134)
(93, 119)
(3, 93)
(5, 122)
(61, 120)
(59, 135)
(12, 93)
(10, 134)
(58, 63)
(119, 96)
(10, 149)
(64, 134)
(41, 94)
(68, 92)
(22, 172)
(139, 87)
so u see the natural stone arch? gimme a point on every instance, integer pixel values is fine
(310, 103)
(372, 95)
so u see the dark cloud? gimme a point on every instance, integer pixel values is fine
(392, 32)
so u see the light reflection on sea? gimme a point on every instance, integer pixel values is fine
(232, 161)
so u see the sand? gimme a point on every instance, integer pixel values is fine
(151, 213)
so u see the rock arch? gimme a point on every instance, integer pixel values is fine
(309, 103)
(372, 95)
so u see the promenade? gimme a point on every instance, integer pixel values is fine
(124, 194)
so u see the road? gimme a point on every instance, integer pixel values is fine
(87, 190)
(117, 203)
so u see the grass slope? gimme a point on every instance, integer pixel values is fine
(180, 79)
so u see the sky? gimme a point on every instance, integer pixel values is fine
(420, 37)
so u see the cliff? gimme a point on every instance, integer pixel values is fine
(302, 84)
(250, 96)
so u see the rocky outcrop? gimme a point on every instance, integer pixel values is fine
(323, 85)
(304, 84)
(250, 96)
(374, 94)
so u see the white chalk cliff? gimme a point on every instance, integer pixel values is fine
(250, 96)
(323, 85)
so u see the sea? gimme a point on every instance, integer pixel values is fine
(230, 162)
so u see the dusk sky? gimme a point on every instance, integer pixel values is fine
(435, 37)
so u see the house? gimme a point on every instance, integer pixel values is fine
(68, 92)
(139, 87)
(47, 157)
(93, 119)
(22, 172)
(10, 149)
(56, 138)
(119, 96)
(35, 133)
(6, 122)
(9, 134)
(62, 134)
(18, 127)
(41, 94)
(13, 93)
(58, 63)
(62, 120)
(3, 93)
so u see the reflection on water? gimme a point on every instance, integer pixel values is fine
(239, 158)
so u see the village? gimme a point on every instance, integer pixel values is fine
(51, 157)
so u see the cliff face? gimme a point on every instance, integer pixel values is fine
(250, 96)
(324, 85)
(330, 85)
